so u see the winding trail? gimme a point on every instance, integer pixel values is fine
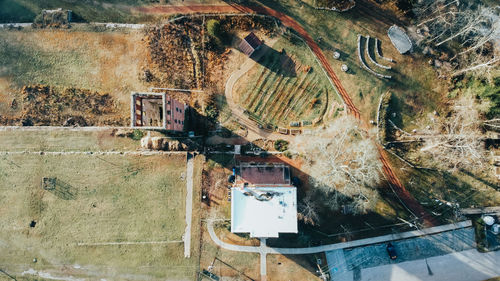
(254, 131)
(286, 20)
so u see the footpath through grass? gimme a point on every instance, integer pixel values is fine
(414, 82)
(95, 199)
(286, 85)
(62, 140)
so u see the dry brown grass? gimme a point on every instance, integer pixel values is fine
(107, 62)
(97, 199)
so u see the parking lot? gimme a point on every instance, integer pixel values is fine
(347, 264)
(411, 249)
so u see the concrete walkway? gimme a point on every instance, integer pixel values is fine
(189, 206)
(263, 250)
(263, 265)
(336, 246)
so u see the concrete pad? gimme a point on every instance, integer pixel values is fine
(468, 265)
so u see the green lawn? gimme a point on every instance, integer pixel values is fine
(466, 188)
(95, 199)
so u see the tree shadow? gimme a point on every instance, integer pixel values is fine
(367, 10)
(344, 227)
(276, 61)
(484, 181)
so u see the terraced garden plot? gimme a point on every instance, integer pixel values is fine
(285, 85)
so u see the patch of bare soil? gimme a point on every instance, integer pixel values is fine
(214, 187)
(42, 105)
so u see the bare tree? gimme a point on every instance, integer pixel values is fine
(343, 163)
(458, 140)
(307, 210)
(476, 28)
(482, 66)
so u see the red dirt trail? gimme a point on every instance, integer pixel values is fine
(400, 190)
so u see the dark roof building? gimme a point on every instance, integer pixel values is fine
(250, 44)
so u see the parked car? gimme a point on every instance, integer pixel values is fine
(391, 251)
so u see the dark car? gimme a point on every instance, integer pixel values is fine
(391, 251)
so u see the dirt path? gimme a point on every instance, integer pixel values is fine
(254, 132)
(286, 20)
(403, 193)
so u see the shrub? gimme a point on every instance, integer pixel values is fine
(281, 145)
(211, 111)
(214, 29)
(137, 135)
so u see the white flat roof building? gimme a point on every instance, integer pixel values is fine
(264, 211)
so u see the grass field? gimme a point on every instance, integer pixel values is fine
(106, 61)
(414, 82)
(285, 87)
(96, 11)
(435, 188)
(120, 11)
(96, 199)
(63, 140)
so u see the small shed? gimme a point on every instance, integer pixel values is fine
(250, 44)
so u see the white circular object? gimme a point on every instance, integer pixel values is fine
(344, 68)
(488, 220)
(336, 55)
(496, 228)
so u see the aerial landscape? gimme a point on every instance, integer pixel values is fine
(348, 140)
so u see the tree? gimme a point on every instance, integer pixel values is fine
(474, 27)
(457, 141)
(281, 145)
(343, 163)
(307, 210)
(214, 29)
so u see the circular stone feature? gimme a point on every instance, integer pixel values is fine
(336, 55)
(344, 68)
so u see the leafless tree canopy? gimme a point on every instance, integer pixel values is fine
(457, 141)
(308, 210)
(476, 28)
(343, 163)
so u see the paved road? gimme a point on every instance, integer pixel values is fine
(189, 206)
(467, 265)
(449, 255)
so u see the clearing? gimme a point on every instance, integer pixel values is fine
(88, 201)
(75, 63)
